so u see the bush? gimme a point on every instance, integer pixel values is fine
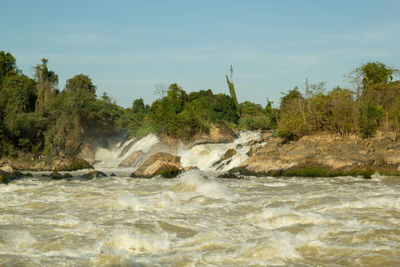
(370, 117)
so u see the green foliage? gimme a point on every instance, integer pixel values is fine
(376, 73)
(17, 102)
(144, 129)
(342, 111)
(170, 173)
(81, 84)
(138, 106)
(76, 112)
(254, 117)
(78, 164)
(394, 118)
(292, 122)
(232, 92)
(47, 81)
(370, 116)
(8, 66)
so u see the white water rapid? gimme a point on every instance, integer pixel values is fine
(202, 156)
(198, 219)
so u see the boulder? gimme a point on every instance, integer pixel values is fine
(9, 173)
(70, 164)
(130, 160)
(91, 174)
(86, 152)
(161, 163)
(228, 154)
(215, 135)
(56, 175)
(67, 175)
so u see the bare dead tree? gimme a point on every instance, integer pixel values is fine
(161, 90)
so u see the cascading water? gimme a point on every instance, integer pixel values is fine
(203, 156)
(112, 157)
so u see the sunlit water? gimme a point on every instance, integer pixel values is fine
(197, 221)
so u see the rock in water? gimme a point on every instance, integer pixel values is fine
(70, 164)
(131, 159)
(91, 174)
(56, 175)
(8, 173)
(67, 175)
(228, 154)
(161, 163)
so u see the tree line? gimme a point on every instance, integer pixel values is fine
(38, 118)
(373, 104)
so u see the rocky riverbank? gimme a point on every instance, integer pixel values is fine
(46, 163)
(321, 154)
(318, 155)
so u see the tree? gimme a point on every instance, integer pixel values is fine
(81, 84)
(343, 112)
(232, 91)
(46, 81)
(292, 123)
(138, 106)
(17, 96)
(7, 65)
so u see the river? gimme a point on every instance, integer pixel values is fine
(199, 220)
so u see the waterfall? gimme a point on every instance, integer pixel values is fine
(207, 157)
(111, 157)
(204, 156)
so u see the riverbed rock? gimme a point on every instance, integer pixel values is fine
(56, 175)
(41, 163)
(9, 173)
(162, 163)
(215, 135)
(67, 175)
(91, 174)
(227, 155)
(70, 164)
(130, 160)
(321, 154)
(86, 152)
(27, 174)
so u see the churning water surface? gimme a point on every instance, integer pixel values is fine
(195, 220)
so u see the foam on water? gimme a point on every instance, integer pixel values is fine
(135, 243)
(275, 249)
(19, 239)
(198, 219)
(193, 182)
(205, 155)
(130, 201)
(112, 157)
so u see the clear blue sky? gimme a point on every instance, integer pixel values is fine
(128, 47)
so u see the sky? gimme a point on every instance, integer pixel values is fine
(128, 48)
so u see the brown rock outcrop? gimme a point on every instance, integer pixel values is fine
(48, 164)
(87, 153)
(159, 164)
(228, 154)
(215, 135)
(8, 173)
(322, 155)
